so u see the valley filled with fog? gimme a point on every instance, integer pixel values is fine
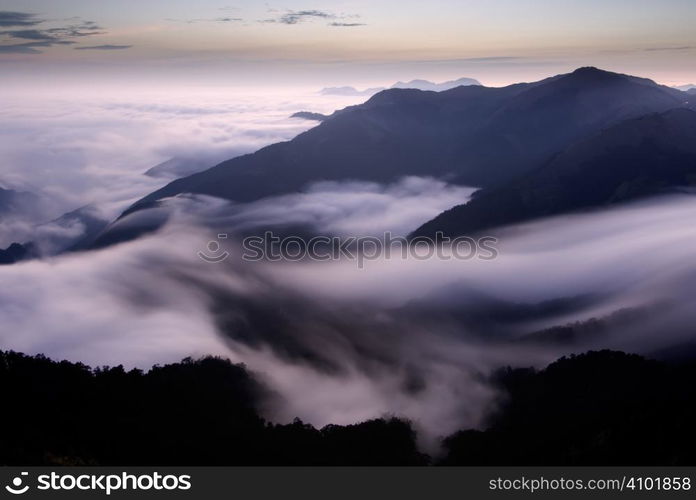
(336, 343)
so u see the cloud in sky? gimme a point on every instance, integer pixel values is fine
(292, 17)
(658, 49)
(30, 40)
(346, 25)
(56, 34)
(23, 48)
(225, 19)
(567, 41)
(296, 16)
(9, 18)
(104, 47)
(31, 34)
(84, 28)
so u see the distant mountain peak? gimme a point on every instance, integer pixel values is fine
(590, 70)
(591, 73)
(418, 83)
(309, 115)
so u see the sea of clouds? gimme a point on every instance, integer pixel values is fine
(335, 342)
(339, 344)
(81, 147)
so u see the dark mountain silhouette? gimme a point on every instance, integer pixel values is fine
(581, 333)
(196, 412)
(17, 252)
(51, 242)
(599, 408)
(478, 136)
(490, 318)
(178, 167)
(16, 203)
(413, 84)
(309, 115)
(638, 157)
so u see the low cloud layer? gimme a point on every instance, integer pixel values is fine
(352, 208)
(340, 344)
(337, 343)
(104, 47)
(83, 149)
(12, 19)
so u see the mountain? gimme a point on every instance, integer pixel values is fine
(178, 167)
(87, 218)
(413, 84)
(349, 91)
(75, 230)
(16, 252)
(436, 87)
(143, 409)
(309, 115)
(686, 88)
(601, 407)
(475, 135)
(633, 159)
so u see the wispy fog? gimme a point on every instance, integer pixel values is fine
(350, 208)
(340, 344)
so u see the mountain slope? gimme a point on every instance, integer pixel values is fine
(178, 167)
(16, 252)
(476, 135)
(309, 115)
(635, 158)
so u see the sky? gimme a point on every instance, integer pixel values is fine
(346, 42)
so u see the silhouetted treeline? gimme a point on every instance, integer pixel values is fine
(597, 408)
(190, 413)
(600, 408)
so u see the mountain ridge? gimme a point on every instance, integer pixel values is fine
(417, 83)
(470, 135)
(633, 159)
(476, 133)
